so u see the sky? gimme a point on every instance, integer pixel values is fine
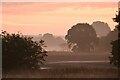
(60, 0)
(33, 18)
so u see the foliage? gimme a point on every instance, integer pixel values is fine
(52, 41)
(105, 42)
(113, 35)
(115, 58)
(101, 28)
(82, 37)
(19, 52)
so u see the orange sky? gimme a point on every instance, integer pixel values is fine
(54, 17)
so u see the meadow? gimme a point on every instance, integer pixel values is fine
(71, 72)
(58, 65)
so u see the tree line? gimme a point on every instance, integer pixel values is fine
(83, 37)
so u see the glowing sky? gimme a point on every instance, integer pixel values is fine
(60, 0)
(54, 17)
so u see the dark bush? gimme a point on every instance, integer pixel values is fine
(20, 52)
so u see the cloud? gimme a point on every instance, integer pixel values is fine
(59, 0)
(21, 8)
(36, 17)
(22, 24)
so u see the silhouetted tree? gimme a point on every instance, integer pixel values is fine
(81, 37)
(101, 28)
(20, 52)
(115, 57)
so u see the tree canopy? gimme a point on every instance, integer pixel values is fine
(101, 28)
(105, 42)
(19, 52)
(115, 57)
(81, 37)
(52, 42)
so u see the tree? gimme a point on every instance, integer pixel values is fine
(105, 41)
(115, 57)
(20, 52)
(52, 41)
(113, 35)
(81, 37)
(101, 28)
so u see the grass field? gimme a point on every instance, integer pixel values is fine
(71, 70)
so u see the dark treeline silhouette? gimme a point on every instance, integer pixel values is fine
(82, 37)
(88, 38)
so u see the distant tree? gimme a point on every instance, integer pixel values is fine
(48, 36)
(105, 41)
(20, 52)
(82, 37)
(113, 35)
(49, 39)
(52, 42)
(101, 28)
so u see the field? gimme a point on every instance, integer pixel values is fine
(71, 65)
(71, 72)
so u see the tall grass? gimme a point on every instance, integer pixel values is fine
(71, 72)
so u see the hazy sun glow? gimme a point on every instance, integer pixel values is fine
(54, 17)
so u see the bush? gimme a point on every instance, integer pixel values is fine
(20, 52)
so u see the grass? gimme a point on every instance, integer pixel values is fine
(71, 72)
